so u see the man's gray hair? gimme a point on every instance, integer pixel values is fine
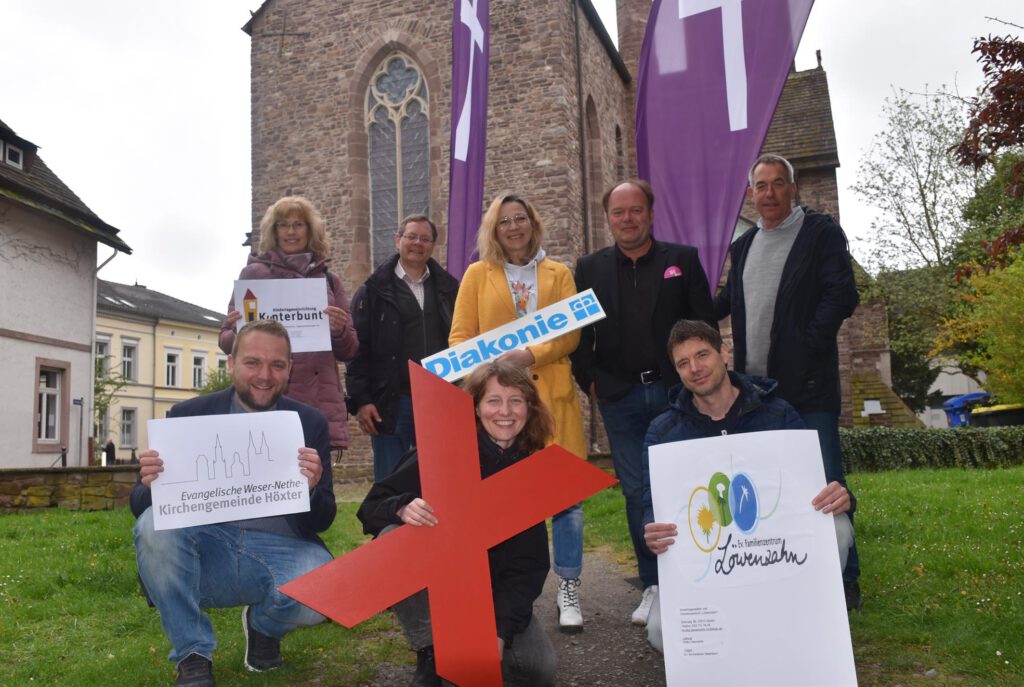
(770, 159)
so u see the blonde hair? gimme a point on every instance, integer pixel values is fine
(487, 245)
(281, 209)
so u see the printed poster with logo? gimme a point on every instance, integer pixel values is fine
(298, 304)
(537, 327)
(219, 468)
(751, 592)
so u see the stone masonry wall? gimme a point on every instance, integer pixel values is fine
(309, 135)
(613, 108)
(70, 488)
(311, 65)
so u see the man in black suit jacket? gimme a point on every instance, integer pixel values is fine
(645, 286)
(240, 563)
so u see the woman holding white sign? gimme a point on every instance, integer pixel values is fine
(294, 245)
(514, 278)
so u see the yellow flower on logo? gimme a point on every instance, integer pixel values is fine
(706, 521)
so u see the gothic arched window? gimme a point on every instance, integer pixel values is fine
(399, 149)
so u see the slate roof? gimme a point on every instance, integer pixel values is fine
(140, 302)
(802, 129)
(37, 187)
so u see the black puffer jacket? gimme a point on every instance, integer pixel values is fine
(519, 565)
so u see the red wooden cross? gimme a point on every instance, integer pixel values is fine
(450, 559)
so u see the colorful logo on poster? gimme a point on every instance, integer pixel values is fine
(720, 504)
(250, 306)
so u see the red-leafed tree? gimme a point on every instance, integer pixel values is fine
(997, 126)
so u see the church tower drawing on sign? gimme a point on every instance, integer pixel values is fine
(208, 469)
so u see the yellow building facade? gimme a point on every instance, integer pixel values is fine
(163, 349)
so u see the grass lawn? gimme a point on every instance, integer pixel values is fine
(71, 613)
(942, 578)
(942, 574)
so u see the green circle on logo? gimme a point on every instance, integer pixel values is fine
(718, 496)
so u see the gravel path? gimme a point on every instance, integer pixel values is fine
(610, 652)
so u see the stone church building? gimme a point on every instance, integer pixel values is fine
(351, 105)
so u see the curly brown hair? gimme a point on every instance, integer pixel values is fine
(540, 426)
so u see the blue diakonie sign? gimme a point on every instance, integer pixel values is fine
(538, 327)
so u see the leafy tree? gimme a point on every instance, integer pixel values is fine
(916, 301)
(987, 325)
(996, 125)
(911, 177)
(990, 214)
(216, 380)
(993, 320)
(107, 381)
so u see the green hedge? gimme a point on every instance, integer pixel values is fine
(882, 448)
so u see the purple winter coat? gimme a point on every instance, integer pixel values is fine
(315, 380)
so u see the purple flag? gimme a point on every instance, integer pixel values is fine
(711, 73)
(470, 57)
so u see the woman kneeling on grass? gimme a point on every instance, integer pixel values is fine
(511, 424)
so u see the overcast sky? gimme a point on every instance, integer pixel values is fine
(142, 108)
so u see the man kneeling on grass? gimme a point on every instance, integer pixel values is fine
(239, 563)
(713, 401)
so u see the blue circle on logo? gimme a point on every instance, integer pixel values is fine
(743, 502)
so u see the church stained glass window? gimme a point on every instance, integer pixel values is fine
(399, 149)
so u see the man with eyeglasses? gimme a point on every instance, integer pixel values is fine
(645, 287)
(403, 312)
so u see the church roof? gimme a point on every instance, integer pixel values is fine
(802, 129)
(139, 302)
(36, 186)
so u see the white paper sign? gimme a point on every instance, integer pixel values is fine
(298, 304)
(750, 592)
(536, 328)
(219, 468)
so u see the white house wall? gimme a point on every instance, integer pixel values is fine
(46, 278)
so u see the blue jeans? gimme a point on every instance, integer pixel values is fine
(626, 421)
(220, 566)
(827, 426)
(567, 541)
(388, 449)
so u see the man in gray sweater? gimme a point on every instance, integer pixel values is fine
(790, 286)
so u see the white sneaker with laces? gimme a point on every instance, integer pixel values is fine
(570, 617)
(644, 609)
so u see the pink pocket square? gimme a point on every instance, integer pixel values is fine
(673, 271)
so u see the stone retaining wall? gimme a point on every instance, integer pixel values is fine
(91, 488)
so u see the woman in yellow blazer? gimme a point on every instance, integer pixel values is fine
(512, 279)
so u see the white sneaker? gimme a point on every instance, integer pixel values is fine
(644, 609)
(570, 617)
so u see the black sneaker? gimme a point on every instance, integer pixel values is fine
(854, 601)
(195, 671)
(426, 671)
(261, 652)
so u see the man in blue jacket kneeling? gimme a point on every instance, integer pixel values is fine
(713, 401)
(239, 563)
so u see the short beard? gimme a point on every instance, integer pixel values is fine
(247, 400)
